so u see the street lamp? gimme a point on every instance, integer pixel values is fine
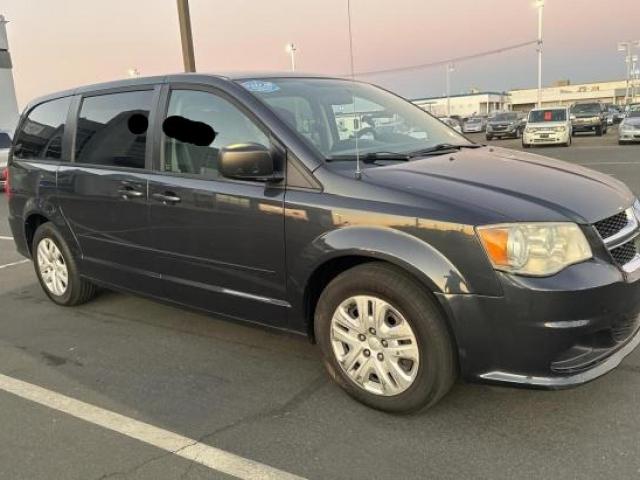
(631, 61)
(450, 68)
(291, 49)
(539, 4)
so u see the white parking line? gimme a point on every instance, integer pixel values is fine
(14, 263)
(211, 457)
(5, 238)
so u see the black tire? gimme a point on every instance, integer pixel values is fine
(518, 133)
(78, 290)
(489, 137)
(599, 131)
(568, 142)
(437, 370)
(525, 145)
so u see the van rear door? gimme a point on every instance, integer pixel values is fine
(103, 191)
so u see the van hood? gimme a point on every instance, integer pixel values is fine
(491, 184)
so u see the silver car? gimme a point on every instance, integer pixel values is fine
(474, 125)
(5, 144)
(629, 129)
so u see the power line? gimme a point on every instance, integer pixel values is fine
(450, 60)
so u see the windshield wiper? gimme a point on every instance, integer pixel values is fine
(440, 148)
(371, 157)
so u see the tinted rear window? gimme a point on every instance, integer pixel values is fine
(547, 116)
(40, 135)
(5, 140)
(112, 129)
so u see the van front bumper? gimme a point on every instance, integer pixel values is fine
(553, 332)
(544, 138)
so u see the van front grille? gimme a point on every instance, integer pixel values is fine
(624, 253)
(611, 225)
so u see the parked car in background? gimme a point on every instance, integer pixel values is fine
(5, 145)
(614, 115)
(410, 259)
(505, 124)
(474, 125)
(453, 123)
(629, 129)
(548, 126)
(589, 117)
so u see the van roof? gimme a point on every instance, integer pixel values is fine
(173, 77)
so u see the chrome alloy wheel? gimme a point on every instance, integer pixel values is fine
(375, 345)
(52, 267)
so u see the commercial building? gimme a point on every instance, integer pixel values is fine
(8, 103)
(465, 105)
(561, 93)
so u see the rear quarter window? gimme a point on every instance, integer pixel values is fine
(40, 135)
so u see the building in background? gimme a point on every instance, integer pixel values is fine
(8, 102)
(466, 105)
(563, 93)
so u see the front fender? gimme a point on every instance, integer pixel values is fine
(406, 251)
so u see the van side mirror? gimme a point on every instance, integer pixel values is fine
(247, 161)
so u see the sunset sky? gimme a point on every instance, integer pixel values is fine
(63, 43)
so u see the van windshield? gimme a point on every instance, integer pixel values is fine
(586, 108)
(338, 118)
(557, 115)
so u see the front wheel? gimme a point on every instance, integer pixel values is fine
(525, 145)
(57, 270)
(384, 340)
(599, 131)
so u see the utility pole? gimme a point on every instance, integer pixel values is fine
(186, 36)
(450, 68)
(540, 5)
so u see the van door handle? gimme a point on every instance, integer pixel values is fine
(166, 198)
(127, 193)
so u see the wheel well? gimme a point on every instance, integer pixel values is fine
(30, 226)
(326, 272)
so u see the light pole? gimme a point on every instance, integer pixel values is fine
(540, 5)
(450, 68)
(629, 60)
(291, 49)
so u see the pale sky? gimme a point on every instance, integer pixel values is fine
(58, 44)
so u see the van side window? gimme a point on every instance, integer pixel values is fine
(112, 129)
(199, 124)
(40, 135)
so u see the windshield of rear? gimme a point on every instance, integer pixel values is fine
(501, 117)
(474, 120)
(586, 108)
(551, 115)
(334, 116)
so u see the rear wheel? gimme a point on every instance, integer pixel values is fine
(384, 340)
(57, 270)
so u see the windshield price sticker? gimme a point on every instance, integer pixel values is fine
(260, 86)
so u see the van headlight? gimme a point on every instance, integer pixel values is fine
(534, 249)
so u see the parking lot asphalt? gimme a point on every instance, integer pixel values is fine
(264, 397)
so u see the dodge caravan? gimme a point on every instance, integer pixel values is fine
(336, 210)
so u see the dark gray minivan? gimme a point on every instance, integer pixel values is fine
(337, 210)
